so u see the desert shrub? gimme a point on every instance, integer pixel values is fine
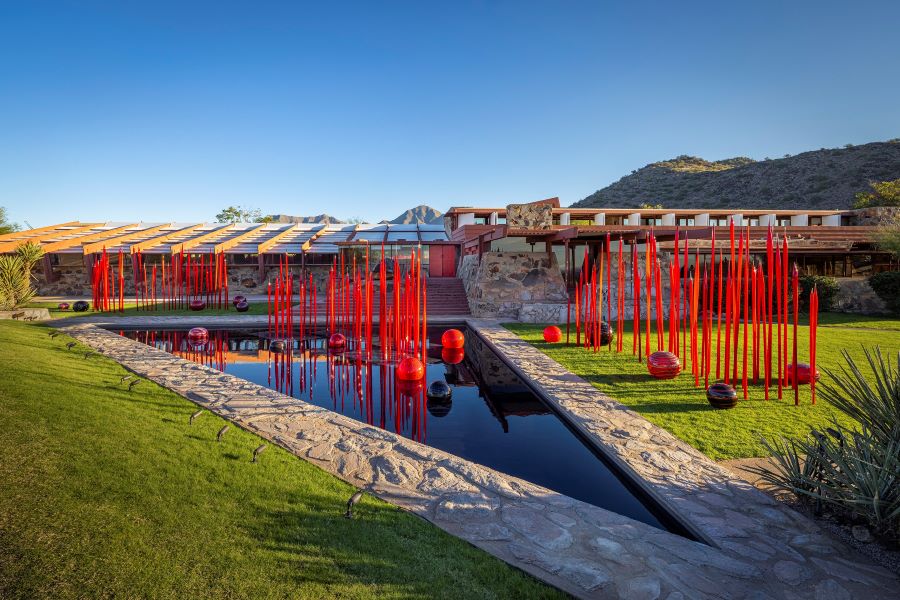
(827, 287)
(15, 276)
(854, 471)
(887, 287)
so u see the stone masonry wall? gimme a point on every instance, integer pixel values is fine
(503, 282)
(74, 281)
(536, 215)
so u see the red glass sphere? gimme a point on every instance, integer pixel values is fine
(663, 365)
(337, 341)
(410, 369)
(238, 299)
(453, 338)
(552, 334)
(198, 335)
(63, 306)
(803, 374)
(197, 304)
(452, 356)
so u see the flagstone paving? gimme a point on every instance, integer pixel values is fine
(755, 549)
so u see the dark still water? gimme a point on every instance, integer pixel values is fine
(491, 418)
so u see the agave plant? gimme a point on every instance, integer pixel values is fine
(15, 276)
(856, 471)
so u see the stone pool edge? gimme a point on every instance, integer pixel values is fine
(582, 549)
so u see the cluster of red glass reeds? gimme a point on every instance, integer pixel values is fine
(746, 301)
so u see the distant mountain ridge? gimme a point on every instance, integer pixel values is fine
(420, 214)
(821, 179)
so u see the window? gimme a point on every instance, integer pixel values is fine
(754, 222)
(686, 221)
(651, 221)
(815, 220)
(782, 222)
(718, 222)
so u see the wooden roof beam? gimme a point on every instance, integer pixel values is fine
(196, 241)
(80, 240)
(263, 246)
(17, 235)
(116, 240)
(308, 243)
(222, 247)
(12, 244)
(159, 239)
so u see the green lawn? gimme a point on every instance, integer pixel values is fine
(106, 493)
(256, 308)
(679, 407)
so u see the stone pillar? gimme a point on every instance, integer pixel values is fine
(766, 220)
(736, 218)
(831, 220)
(495, 216)
(799, 220)
(702, 220)
(668, 219)
(633, 219)
(565, 219)
(600, 219)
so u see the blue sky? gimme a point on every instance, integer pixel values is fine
(171, 111)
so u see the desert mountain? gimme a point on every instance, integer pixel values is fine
(421, 214)
(820, 179)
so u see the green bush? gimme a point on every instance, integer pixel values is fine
(15, 276)
(887, 286)
(827, 287)
(855, 471)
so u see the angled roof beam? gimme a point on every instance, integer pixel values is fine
(13, 244)
(196, 241)
(17, 235)
(80, 240)
(116, 240)
(222, 247)
(264, 245)
(308, 243)
(159, 239)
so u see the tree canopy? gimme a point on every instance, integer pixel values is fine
(242, 214)
(884, 193)
(6, 227)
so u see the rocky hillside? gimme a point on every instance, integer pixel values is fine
(420, 214)
(821, 179)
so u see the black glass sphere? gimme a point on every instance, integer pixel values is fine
(81, 306)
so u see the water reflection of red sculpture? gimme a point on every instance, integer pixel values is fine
(552, 334)
(197, 305)
(410, 369)
(198, 336)
(453, 339)
(452, 356)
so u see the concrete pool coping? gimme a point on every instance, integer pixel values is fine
(760, 550)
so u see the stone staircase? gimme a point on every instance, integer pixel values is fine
(447, 297)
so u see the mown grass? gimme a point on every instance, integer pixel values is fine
(131, 310)
(110, 493)
(682, 409)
